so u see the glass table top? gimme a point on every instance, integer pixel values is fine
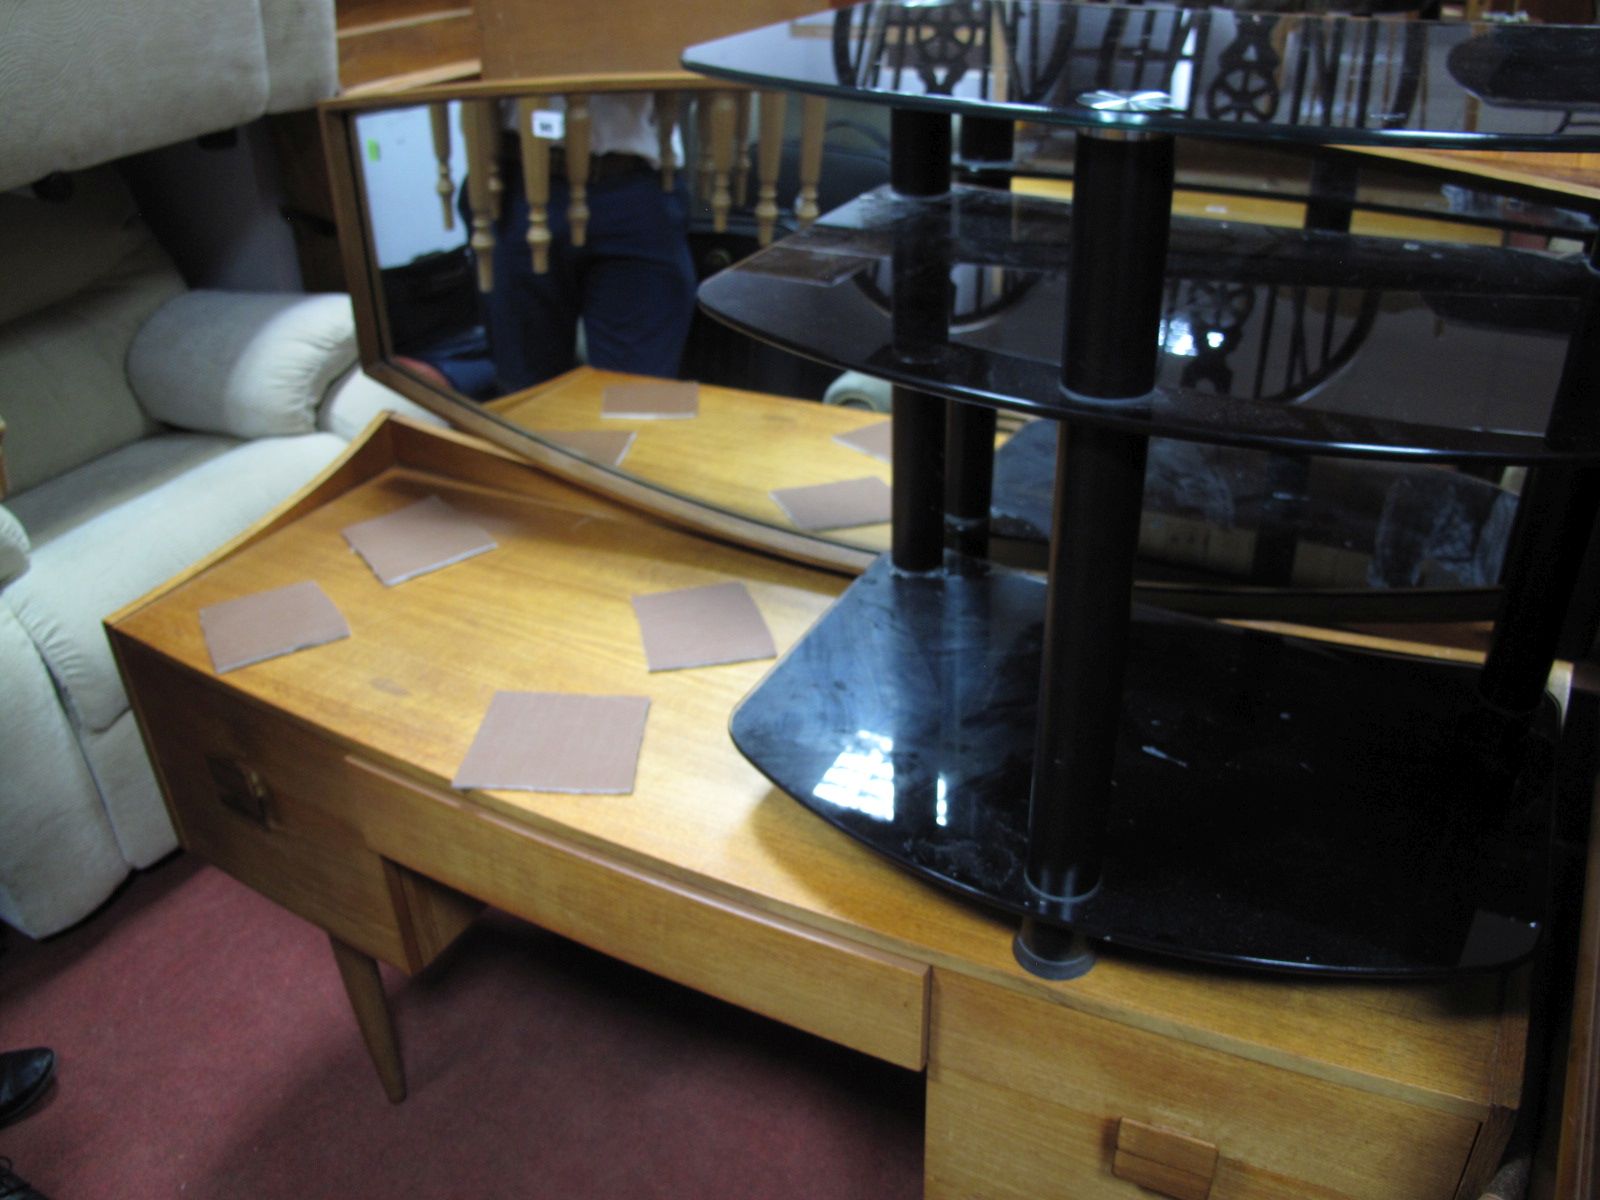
(1206, 72)
(1282, 339)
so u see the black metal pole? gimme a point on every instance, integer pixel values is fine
(969, 482)
(987, 145)
(1122, 207)
(1555, 519)
(919, 165)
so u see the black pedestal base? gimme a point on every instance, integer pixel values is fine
(1276, 803)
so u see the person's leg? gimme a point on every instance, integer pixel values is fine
(531, 319)
(638, 278)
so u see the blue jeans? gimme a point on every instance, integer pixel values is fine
(632, 283)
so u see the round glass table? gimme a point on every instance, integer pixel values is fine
(1115, 774)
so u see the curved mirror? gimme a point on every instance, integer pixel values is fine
(1226, 529)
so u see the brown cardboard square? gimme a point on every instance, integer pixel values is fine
(870, 439)
(414, 540)
(608, 447)
(702, 626)
(556, 742)
(841, 505)
(654, 399)
(266, 624)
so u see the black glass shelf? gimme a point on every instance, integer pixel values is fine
(1159, 781)
(1285, 339)
(1275, 802)
(1208, 72)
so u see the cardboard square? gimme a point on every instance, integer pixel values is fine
(267, 624)
(841, 505)
(654, 399)
(702, 626)
(608, 447)
(414, 540)
(556, 742)
(876, 440)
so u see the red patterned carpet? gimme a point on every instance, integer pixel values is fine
(206, 1050)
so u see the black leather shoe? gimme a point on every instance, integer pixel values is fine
(24, 1076)
(14, 1187)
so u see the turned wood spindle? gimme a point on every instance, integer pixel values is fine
(741, 148)
(705, 167)
(723, 113)
(489, 117)
(439, 117)
(480, 152)
(813, 121)
(769, 154)
(535, 182)
(578, 143)
(666, 125)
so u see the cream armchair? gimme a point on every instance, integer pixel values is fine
(144, 423)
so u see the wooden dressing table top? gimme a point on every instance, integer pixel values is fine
(550, 610)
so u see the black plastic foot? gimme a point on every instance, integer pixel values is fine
(1052, 953)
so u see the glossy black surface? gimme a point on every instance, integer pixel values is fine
(1275, 803)
(1274, 521)
(1274, 338)
(1214, 73)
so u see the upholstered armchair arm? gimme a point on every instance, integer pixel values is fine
(14, 547)
(244, 364)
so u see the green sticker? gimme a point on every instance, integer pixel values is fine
(374, 150)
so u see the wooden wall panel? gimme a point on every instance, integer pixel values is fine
(561, 37)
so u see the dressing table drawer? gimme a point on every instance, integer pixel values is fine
(851, 994)
(1075, 1105)
(258, 796)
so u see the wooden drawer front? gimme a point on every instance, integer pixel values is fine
(853, 995)
(256, 795)
(1028, 1099)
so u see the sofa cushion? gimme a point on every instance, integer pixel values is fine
(14, 546)
(243, 364)
(87, 82)
(98, 557)
(58, 858)
(55, 248)
(65, 395)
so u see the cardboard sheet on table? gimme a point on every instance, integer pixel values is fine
(870, 439)
(414, 540)
(841, 505)
(556, 742)
(608, 447)
(267, 624)
(655, 399)
(702, 626)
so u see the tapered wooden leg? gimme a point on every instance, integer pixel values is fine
(365, 989)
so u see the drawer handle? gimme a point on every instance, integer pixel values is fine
(241, 788)
(1164, 1161)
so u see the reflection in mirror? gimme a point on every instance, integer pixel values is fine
(1220, 524)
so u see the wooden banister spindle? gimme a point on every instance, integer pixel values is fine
(439, 117)
(741, 148)
(769, 154)
(480, 152)
(578, 143)
(703, 163)
(666, 125)
(813, 122)
(723, 114)
(489, 118)
(535, 183)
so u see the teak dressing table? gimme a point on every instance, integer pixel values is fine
(321, 779)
